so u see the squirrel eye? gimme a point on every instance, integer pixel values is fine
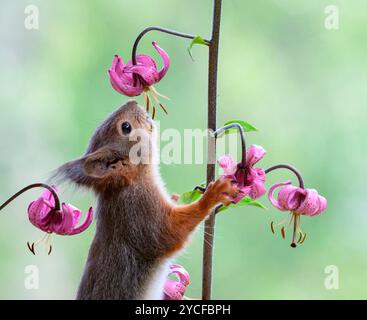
(126, 128)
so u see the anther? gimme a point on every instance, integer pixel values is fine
(283, 232)
(304, 238)
(300, 237)
(31, 247)
(272, 227)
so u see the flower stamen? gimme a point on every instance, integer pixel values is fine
(290, 222)
(48, 244)
(154, 93)
(283, 232)
(163, 108)
(295, 217)
(300, 237)
(272, 227)
(31, 247)
(45, 239)
(146, 101)
(304, 238)
(158, 93)
(153, 115)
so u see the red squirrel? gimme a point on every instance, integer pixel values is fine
(139, 229)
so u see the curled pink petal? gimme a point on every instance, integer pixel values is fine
(47, 196)
(175, 290)
(181, 273)
(248, 179)
(64, 222)
(117, 65)
(40, 210)
(43, 215)
(122, 75)
(85, 224)
(149, 75)
(290, 197)
(165, 58)
(322, 205)
(39, 214)
(228, 165)
(142, 60)
(255, 179)
(257, 189)
(254, 154)
(298, 200)
(310, 205)
(272, 200)
(123, 87)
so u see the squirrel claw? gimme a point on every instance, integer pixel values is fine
(200, 188)
(221, 191)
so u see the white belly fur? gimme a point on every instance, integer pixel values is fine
(156, 283)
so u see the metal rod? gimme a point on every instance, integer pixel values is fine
(212, 119)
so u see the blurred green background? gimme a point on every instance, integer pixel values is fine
(302, 85)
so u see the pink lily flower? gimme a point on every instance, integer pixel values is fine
(306, 202)
(299, 202)
(43, 215)
(146, 74)
(250, 180)
(175, 290)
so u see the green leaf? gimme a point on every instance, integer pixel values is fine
(247, 127)
(196, 40)
(247, 201)
(190, 196)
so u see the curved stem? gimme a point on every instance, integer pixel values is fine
(160, 29)
(242, 135)
(288, 167)
(35, 185)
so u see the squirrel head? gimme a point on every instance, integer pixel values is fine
(120, 150)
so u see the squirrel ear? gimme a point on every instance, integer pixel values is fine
(102, 163)
(84, 171)
(71, 171)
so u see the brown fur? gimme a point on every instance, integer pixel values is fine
(138, 226)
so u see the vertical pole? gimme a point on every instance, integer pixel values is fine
(212, 119)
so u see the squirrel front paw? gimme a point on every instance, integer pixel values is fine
(220, 191)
